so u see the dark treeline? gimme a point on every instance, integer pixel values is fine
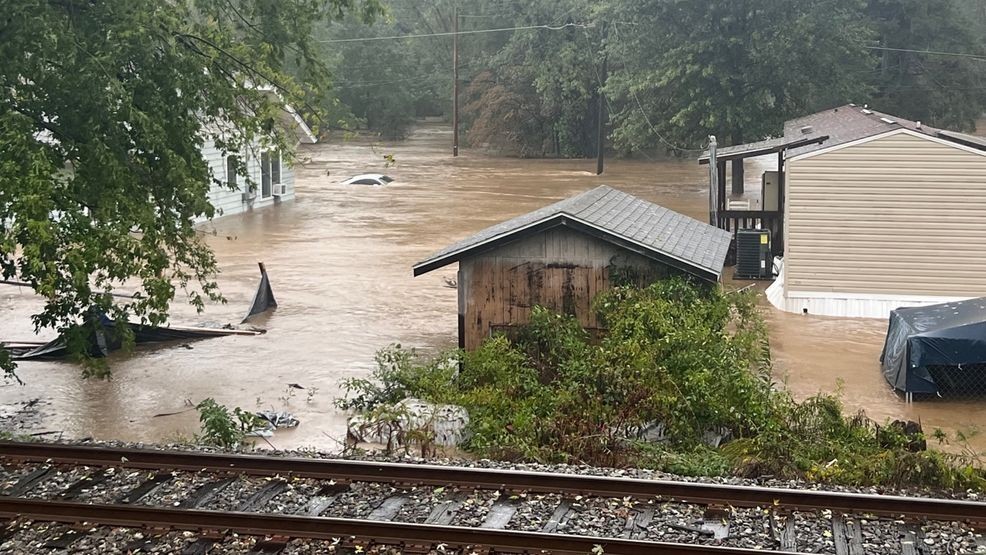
(672, 71)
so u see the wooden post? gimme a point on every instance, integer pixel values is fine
(738, 176)
(713, 182)
(460, 286)
(722, 185)
(781, 184)
(455, 80)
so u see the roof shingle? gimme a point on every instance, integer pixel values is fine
(651, 227)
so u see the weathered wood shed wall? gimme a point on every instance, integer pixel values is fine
(560, 268)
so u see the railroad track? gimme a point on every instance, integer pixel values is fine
(419, 508)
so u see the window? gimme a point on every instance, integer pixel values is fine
(265, 174)
(270, 172)
(386, 178)
(366, 182)
(231, 162)
(275, 168)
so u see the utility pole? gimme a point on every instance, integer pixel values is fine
(601, 126)
(601, 109)
(455, 80)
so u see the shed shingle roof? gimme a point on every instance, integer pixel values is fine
(654, 230)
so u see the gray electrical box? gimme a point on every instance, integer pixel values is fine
(753, 254)
(770, 191)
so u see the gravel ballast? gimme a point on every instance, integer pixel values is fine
(758, 528)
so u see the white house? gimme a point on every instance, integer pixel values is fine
(270, 171)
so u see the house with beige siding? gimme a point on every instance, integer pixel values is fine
(872, 212)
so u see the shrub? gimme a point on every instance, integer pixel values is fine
(678, 361)
(222, 428)
(399, 374)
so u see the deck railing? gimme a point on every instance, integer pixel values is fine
(734, 220)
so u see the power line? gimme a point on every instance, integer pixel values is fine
(599, 80)
(931, 52)
(633, 93)
(449, 33)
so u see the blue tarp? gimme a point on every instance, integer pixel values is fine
(930, 349)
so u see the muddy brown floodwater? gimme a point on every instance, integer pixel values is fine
(340, 262)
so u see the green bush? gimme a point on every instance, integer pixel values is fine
(223, 428)
(685, 359)
(399, 374)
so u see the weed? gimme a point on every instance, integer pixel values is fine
(396, 427)
(223, 428)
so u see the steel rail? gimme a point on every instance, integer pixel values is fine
(392, 533)
(495, 479)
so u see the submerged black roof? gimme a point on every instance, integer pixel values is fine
(614, 216)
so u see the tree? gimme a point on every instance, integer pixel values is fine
(944, 91)
(103, 109)
(734, 68)
(538, 94)
(385, 83)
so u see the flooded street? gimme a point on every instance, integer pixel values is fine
(340, 259)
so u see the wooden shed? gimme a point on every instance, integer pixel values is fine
(563, 255)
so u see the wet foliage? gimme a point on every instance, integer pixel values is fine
(681, 382)
(223, 427)
(104, 111)
(671, 72)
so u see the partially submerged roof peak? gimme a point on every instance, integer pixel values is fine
(613, 216)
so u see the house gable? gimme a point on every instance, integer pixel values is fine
(890, 133)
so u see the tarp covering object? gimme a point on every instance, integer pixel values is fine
(263, 299)
(932, 349)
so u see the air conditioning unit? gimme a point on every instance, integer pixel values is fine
(754, 259)
(279, 189)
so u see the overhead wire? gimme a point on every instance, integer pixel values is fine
(929, 52)
(640, 105)
(450, 33)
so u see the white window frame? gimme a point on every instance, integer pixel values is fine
(267, 169)
(236, 176)
(280, 171)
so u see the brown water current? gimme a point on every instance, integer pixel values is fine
(340, 259)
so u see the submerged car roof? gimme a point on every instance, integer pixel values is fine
(369, 176)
